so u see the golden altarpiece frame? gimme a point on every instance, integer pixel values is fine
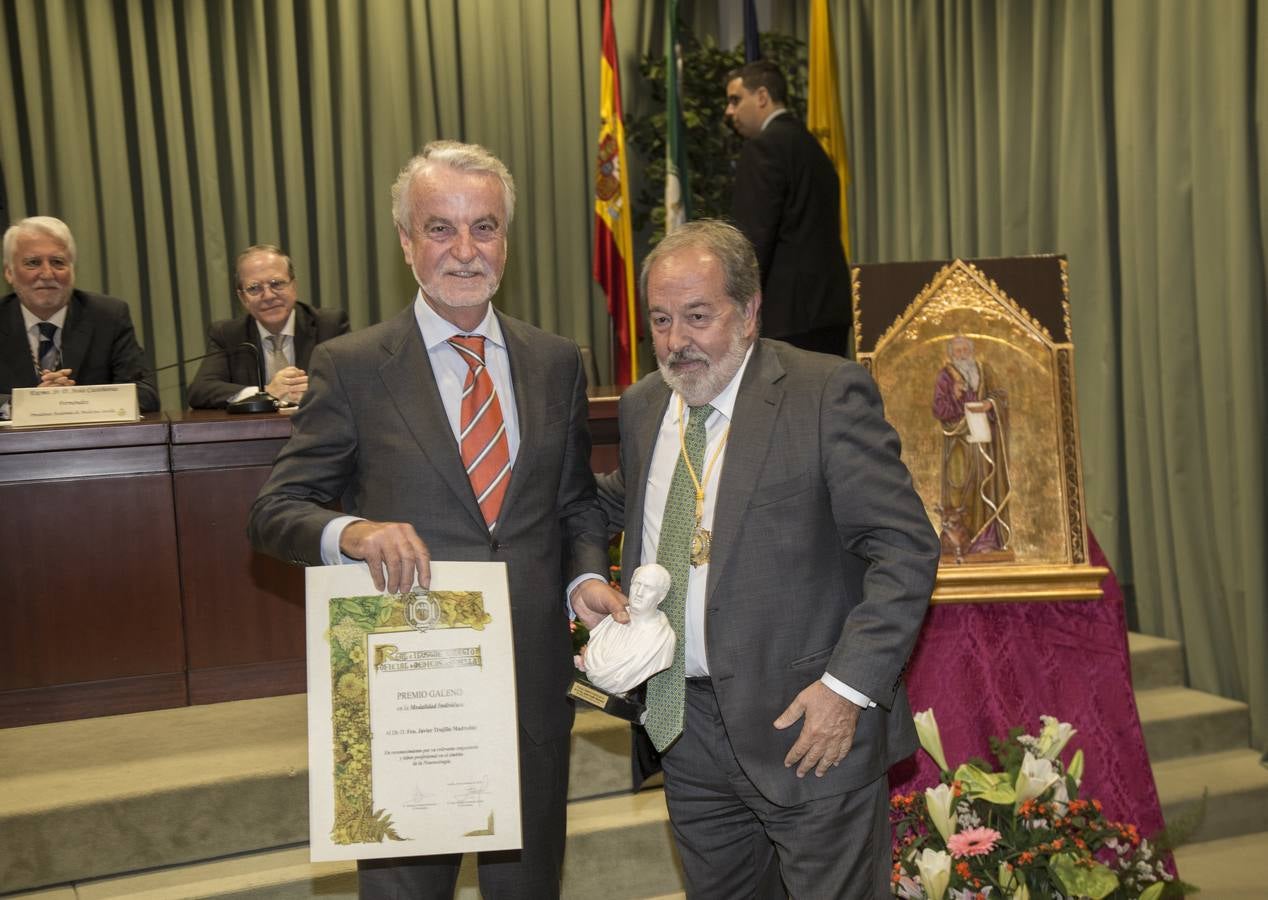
(983, 397)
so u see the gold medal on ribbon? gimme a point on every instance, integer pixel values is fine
(701, 544)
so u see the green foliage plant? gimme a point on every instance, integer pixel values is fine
(712, 146)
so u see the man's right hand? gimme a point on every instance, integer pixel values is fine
(393, 548)
(288, 384)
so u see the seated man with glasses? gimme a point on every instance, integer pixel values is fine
(282, 330)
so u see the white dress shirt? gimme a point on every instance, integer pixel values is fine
(288, 346)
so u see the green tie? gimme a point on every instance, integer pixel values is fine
(665, 689)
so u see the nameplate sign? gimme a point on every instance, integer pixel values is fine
(413, 736)
(82, 404)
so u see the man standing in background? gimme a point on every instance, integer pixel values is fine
(282, 330)
(785, 200)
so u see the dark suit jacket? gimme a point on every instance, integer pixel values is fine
(823, 558)
(371, 430)
(99, 346)
(785, 201)
(226, 373)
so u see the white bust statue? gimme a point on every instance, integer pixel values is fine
(620, 657)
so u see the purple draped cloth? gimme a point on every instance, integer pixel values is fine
(986, 667)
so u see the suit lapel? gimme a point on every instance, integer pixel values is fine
(408, 377)
(76, 337)
(752, 423)
(530, 407)
(305, 334)
(15, 348)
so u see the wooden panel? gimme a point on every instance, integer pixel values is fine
(247, 681)
(150, 430)
(240, 606)
(96, 698)
(90, 566)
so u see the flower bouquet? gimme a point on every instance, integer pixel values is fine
(1020, 833)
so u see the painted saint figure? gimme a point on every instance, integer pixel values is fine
(976, 487)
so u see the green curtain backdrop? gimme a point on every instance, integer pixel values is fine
(170, 135)
(1127, 135)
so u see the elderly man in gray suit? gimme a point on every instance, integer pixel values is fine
(766, 479)
(389, 425)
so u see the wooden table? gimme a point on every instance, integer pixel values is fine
(129, 580)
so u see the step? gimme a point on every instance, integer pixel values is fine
(147, 790)
(619, 848)
(1156, 662)
(1236, 784)
(151, 789)
(1228, 869)
(1179, 722)
(600, 763)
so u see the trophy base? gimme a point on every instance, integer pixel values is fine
(618, 705)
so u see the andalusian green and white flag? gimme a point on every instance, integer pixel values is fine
(677, 182)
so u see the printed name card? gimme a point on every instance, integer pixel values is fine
(83, 404)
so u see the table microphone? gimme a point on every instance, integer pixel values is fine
(259, 402)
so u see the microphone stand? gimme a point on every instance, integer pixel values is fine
(259, 402)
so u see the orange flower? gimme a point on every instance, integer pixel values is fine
(962, 869)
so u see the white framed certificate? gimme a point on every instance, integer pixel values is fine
(413, 737)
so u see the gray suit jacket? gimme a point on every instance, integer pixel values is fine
(823, 558)
(371, 432)
(233, 367)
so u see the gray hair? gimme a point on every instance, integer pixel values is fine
(46, 225)
(455, 155)
(958, 339)
(261, 248)
(742, 279)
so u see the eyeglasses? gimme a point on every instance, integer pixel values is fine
(275, 285)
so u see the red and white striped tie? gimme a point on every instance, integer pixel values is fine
(485, 450)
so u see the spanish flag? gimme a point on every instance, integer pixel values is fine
(613, 235)
(823, 113)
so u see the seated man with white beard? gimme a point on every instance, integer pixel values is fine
(54, 335)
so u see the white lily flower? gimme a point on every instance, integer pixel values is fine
(930, 739)
(940, 802)
(1053, 738)
(1034, 777)
(1075, 769)
(935, 872)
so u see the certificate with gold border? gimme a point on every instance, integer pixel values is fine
(412, 728)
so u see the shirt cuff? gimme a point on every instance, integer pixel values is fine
(573, 585)
(330, 535)
(244, 393)
(840, 687)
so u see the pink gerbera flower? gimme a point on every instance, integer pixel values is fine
(972, 842)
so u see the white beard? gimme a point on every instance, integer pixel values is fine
(969, 369)
(697, 389)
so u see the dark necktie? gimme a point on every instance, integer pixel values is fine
(485, 450)
(673, 551)
(48, 356)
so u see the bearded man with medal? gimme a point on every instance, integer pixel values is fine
(767, 481)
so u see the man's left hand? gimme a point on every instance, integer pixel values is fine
(828, 732)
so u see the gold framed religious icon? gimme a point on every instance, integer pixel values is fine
(975, 361)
